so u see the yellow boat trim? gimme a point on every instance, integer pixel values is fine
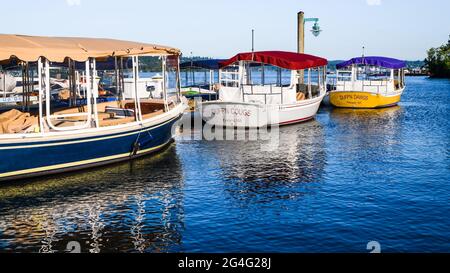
(362, 100)
(79, 163)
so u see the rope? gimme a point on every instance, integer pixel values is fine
(136, 146)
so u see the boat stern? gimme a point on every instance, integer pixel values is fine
(362, 100)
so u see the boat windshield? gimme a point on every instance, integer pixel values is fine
(372, 73)
(370, 78)
(260, 74)
(172, 79)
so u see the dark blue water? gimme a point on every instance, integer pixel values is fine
(333, 185)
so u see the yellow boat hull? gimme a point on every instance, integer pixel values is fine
(362, 100)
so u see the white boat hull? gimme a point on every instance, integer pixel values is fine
(254, 115)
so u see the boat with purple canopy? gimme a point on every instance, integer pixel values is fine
(368, 82)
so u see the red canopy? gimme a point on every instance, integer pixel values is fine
(283, 59)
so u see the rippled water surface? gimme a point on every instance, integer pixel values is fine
(334, 184)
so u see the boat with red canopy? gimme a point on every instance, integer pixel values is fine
(267, 88)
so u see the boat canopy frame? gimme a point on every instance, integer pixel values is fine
(90, 73)
(349, 71)
(208, 66)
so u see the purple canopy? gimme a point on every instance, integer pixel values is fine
(375, 61)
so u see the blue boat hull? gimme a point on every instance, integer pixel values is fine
(26, 160)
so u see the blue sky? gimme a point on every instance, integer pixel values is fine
(220, 28)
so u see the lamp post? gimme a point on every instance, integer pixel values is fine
(301, 37)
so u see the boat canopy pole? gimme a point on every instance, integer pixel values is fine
(72, 83)
(309, 83)
(165, 81)
(118, 69)
(279, 77)
(211, 80)
(25, 86)
(95, 92)
(242, 78)
(45, 75)
(137, 102)
(179, 95)
(3, 72)
(263, 76)
(116, 75)
(121, 79)
(319, 75)
(41, 88)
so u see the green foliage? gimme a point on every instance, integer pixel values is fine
(150, 64)
(438, 61)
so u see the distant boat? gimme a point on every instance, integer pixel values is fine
(244, 103)
(368, 82)
(7, 83)
(205, 88)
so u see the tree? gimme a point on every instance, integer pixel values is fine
(438, 61)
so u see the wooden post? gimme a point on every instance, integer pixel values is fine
(301, 42)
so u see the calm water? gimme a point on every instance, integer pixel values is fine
(336, 183)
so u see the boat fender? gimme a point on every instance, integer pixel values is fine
(135, 149)
(137, 145)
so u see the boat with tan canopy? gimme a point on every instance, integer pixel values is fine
(40, 137)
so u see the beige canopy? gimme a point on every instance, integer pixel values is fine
(57, 49)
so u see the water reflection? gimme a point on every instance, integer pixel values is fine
(50, 229)
(367, 116)
(367, 143)
(255, 175)
(136, 229)
(105, 210)
(367, 128)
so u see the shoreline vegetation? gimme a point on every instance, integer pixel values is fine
(436, 65)
(414, 68)
(438, 61)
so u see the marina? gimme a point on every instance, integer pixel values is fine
(114, 139)
(308, 196)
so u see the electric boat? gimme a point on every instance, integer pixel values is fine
(45, 140)
(200, 79)
(368, 82)
(267, 88)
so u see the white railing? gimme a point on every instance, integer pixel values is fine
(344, 82)
(44, 88)
(265, 94)
(229, 78)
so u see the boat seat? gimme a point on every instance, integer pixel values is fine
(119, 121)
(120, 112)
(150, 108)
(101, 107)
(115, 121)
(15, 121)
(147, 107)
